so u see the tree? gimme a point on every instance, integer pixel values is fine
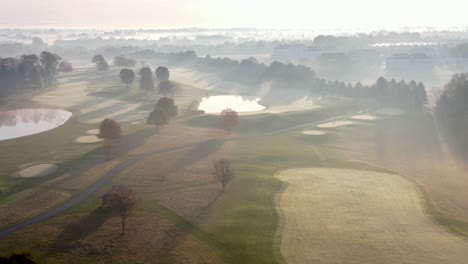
(101, 63)
(31, 71)
(162, 73)
(451, 111)
(228, 119)
(222, 171)
(158, 118)
(146, 79)
(65, 66)
(168, 105)
(166, 88)
(127, 76)
(109, 130)
(122, 201)
(49, 63)
(122, 61)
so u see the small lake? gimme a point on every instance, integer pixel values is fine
(24, 122)
(216, 104)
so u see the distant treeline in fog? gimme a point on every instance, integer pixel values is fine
(410, 95)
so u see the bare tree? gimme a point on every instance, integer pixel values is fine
(222, 171)
(122, 201)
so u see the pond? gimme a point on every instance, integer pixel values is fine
(24, 122)
(216, 104)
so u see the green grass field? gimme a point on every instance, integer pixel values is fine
(181, 218)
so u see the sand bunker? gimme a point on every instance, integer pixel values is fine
(335, 124)
(390, 111)
(313, 133)
(93, 131)
(367, 117)
(38, 170)
(88, 139)
(352, 216)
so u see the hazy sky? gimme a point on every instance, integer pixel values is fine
(236, 13)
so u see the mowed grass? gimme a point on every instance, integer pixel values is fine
(334, 215)
(247, 216)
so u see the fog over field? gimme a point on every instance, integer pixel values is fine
(219, 131)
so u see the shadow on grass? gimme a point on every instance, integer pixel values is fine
(198, 153)
(78, 230)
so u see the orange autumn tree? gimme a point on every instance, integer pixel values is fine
(109, 130)
(228, 119)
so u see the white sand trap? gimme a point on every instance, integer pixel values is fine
(38, 170)
(313, 133)
(367, 117)
(335, 124)
(390, 111)
(93, 131)
(351, 216)
(88, 139)
(136, 123)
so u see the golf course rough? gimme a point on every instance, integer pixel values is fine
(331, 215)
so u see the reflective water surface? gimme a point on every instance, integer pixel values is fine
(216, 104)
(24, 122)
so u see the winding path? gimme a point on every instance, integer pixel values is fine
(122, 166)
(90, 189)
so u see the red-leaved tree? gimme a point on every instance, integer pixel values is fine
(228, 119)
(109, 130)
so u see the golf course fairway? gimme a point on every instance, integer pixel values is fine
(332, 215)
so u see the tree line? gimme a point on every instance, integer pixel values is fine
(410, 95)
(30, 71)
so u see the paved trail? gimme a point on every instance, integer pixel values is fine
(91, 189)
(108, 176)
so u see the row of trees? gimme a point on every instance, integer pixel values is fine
(290, 76)
(451, 111)
(120, 61)
(165, 87)
(30, 71)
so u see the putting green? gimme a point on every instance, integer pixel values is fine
(363, 217)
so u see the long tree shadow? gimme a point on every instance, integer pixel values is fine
(198, 153)
(78, 230)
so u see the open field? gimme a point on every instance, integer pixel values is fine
(352, 216)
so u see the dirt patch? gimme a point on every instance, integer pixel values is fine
(352, 216)
(38, 170)
(335, 124)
